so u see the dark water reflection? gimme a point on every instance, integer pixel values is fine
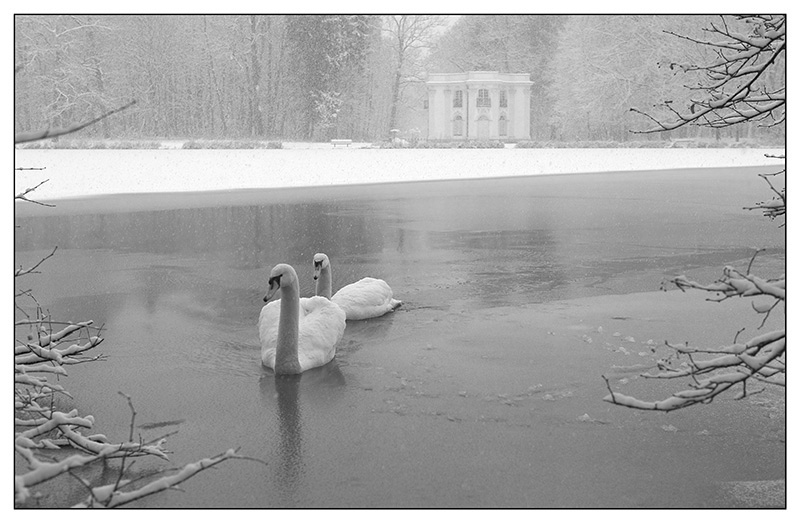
(243, 235)
(533, 239)
(281, 396)
(177, 281)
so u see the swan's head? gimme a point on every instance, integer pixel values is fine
(282, 275)
(321, 261)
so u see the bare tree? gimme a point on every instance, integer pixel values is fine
(409, 34)
(744, 82)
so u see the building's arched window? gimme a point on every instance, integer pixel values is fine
(502, 126)
(458, 126)
(458, 99)
(483, 98)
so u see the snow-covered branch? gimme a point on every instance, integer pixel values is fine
(110, 496)
(775, 207)
(735, 89)
(43, 429)
(712, 372)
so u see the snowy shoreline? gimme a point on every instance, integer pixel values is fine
(79, 173)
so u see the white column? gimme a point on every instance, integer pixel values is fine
(471, 116)
(447, 128)
(526, 112)
(511, 114)
(438, 114)
(431, 113)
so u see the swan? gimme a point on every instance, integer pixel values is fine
(366, 298)
(297, 334)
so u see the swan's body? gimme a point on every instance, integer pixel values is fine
(366, 298)
(297, 334)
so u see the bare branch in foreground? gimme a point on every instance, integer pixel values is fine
(52, 133)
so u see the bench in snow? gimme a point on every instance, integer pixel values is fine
(336, 142)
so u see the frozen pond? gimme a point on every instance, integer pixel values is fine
(483, 390)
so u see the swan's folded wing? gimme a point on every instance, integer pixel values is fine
(321, 327)
(366, 298)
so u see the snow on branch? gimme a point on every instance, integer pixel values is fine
(42, 428)
(775, 207)
(735, 89)
(110, 496)
(760, 360)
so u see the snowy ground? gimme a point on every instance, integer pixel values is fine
(76, 173)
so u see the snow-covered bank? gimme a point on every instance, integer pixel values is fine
(76, 173)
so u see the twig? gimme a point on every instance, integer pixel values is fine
(32, 270)
(133, 413)
(752, 259)
(23, 195)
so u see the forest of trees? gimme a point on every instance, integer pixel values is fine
(315, 77)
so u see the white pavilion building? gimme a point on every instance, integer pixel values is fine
(479, 105)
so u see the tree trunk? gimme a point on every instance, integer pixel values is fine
(257, 123)
(395, 94)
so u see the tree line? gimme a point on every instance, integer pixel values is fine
(316, 77)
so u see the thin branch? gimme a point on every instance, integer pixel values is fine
(23, 195)
(130, 439)
(32, 270)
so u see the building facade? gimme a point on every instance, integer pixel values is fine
(479, 105)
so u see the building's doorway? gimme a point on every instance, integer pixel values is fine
(483, 128)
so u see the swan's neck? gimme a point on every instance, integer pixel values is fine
(286, 361)
(323, 285)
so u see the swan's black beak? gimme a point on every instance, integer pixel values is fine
(274, 286)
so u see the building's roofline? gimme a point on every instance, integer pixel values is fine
(455, 82)
(479, 77)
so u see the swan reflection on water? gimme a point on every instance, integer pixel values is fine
(283, 394)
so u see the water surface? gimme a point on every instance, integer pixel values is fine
(483, 390)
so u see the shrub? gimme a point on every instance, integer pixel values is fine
(231, 144)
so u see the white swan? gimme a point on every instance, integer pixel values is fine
(366, 298)
(297, 334)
